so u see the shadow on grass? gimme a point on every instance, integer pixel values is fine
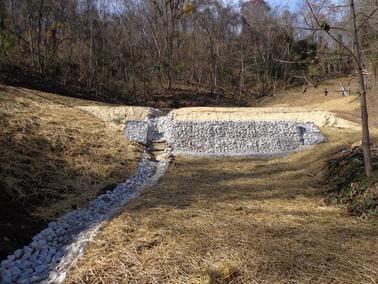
(34, 176)
(267, 216)
(239, 179)
(260, 220)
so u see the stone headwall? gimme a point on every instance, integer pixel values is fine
(137, 131)
(226, 137)
(242, 137)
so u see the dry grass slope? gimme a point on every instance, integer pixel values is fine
(242, 220)
(237, 221)
(53, 158)
(345, 107)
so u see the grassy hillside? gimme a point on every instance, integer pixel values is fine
(345, 107)
(53, 158)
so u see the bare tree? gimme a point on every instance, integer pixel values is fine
(127, 48)
(364, 111)
(356, 54)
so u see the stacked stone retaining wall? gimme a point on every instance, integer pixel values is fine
(226, 137)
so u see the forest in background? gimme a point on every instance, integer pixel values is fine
(128, 49)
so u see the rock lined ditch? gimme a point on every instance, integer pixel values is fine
(55, 249)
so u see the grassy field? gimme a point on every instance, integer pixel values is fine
(53, 158)
(237, 220)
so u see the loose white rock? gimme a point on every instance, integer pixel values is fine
(55, 249)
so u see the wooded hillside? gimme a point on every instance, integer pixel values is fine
(126, 49)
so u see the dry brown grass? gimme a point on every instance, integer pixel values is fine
(53, 158)
(345, 107)
(236, 220)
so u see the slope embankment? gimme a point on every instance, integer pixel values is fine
(54, 158)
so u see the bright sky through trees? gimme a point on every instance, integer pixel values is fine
(292, 4)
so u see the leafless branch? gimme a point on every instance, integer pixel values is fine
(289, 62)
(330, 34)
(367, 18)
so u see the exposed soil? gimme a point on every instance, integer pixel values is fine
(53, 158)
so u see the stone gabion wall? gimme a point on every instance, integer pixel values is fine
(242, 137)
(137, 131)
(236, 137)
(160, 128)
(155, 129)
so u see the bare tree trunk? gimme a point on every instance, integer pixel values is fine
(356, 53)
(213, 68)
(241, 83)
(31, 34)
(40, 57)
(14, 27)
(91, 51)
(364, 111)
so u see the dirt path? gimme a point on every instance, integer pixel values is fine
(236, 221)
